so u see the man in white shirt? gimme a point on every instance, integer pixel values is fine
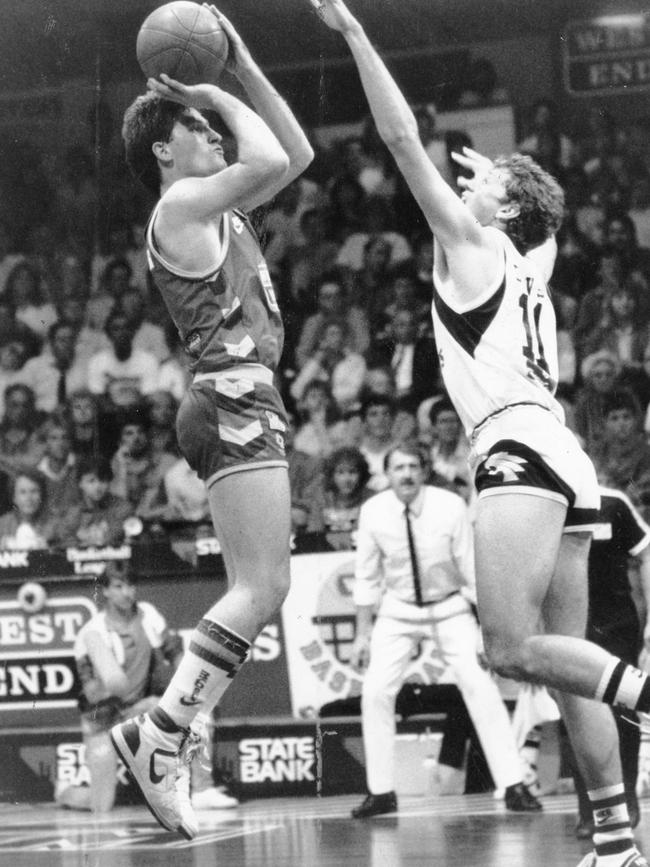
(56, 372)
(414, 563)
(122, 373)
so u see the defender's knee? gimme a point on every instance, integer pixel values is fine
(510, 659)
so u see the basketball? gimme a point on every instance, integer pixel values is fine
(184, 40)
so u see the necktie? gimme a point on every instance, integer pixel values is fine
(414, 558)
(398, 355)
(60, 389)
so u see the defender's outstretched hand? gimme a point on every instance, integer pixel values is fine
(335, 14)
(474, 162)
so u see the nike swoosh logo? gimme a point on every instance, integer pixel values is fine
(153, 776)
(189, 702)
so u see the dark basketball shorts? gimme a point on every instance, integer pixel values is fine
(228, 423)
(527, 449)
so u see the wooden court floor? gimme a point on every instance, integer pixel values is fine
(451, 831)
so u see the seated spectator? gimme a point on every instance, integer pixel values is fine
(377, 416)
(24, 293)
(13, 355)
(450, 449)
(57, 371)
(125, 656)
(545, 141)
(12, 330)
(600, 372)
(347, 200)
(97, 519)
(116, 279)
(93, 433)
(403, 293)
(334, 364)
(20, 444)
(370, 285)
(320, 430)
(620, 238)
(332, 303)
(122, 374)
(308, 260)
(413, 359)
(28, 526)
(73, 309)
(146, 336)
(58, 464)
(620, 330)
(161, 408)
(137, 471)
(622, 454)
(336, 511)
(610, 276)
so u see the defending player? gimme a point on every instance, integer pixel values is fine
(206, 262)
(537, 491)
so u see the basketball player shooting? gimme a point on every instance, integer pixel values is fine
(206, 262)
(537, 491)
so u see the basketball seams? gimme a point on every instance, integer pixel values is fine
(184, 42)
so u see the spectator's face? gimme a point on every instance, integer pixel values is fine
(120, 333)
(330, 298)
(334, 338)
(24, 288)
(93, 488)
(618, 235)
(447, 427)
(405, 475)
(120, 595)
(82, 409)
(27, 497)
(377, 256)
(314, 401)
(403, 291)
(58, 443)
(620, 424)
(345, 478)
(73, 310)
(134, 439)
(18, 406)
(12, 355)
(378, 421)
(603, 376)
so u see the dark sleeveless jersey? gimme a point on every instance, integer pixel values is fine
(228, 316)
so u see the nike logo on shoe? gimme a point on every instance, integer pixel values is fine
(188, 702)
(153, 776)
(602, 816)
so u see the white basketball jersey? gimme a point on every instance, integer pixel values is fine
(502, 350)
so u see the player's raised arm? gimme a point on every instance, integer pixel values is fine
(454, 226)
(270, 106)
(200, 195)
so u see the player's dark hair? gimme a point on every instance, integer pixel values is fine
(540, 199)
(147, 120)
(116, 569)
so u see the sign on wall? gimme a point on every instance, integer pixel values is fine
(607, 55)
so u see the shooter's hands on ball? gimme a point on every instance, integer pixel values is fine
(239, 57)
(196, 95)
(474, 162)
(335, 14)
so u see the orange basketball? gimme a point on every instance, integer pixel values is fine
(184, 40)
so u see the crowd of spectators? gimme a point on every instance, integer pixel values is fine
(92, 369)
